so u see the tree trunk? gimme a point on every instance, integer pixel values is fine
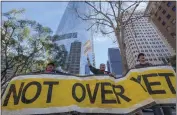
(120, 39)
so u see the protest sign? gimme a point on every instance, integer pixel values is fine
(47, 93)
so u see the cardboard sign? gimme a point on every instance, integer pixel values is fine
(47, 93)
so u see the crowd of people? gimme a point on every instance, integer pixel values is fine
(50, 68)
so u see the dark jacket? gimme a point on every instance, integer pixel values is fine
(98, 71)
(143, 65)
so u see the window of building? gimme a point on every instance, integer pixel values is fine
(173, 35)
(169, 4)
(159, 18)
(150, 59)
(168, 16)
(164, 11)
(173, 21)
(166, 50)
(163, 23)
(174, 8)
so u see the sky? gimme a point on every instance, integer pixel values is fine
(49, 14)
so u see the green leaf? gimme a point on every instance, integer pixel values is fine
(26, 32)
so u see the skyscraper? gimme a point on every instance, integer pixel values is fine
(74, 58)
(142, 37)
(71, 29)
(163, 16)
(115, 64)
(108, 66)
(87, 69)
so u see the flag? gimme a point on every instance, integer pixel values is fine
(87, 47)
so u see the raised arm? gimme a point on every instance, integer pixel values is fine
(92, 69)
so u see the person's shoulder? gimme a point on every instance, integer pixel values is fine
(150, 64)
(137, 66)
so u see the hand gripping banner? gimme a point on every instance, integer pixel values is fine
(49, 93)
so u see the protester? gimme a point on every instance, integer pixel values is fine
(100, 71)
(142, 60)
(144, 63)
(51, 69)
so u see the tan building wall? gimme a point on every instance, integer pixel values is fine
(163, 15)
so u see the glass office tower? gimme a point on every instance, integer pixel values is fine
(115, 62)
(73, 34)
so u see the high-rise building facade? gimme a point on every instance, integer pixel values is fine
(74, 58)
(142, 37)
(115, 62)
(87, 69)
(163, 16)
(71, 29)
(108, 66)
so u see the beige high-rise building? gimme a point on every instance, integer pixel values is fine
(163, 16)
(142, 37)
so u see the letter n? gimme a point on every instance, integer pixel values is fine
(16, 95)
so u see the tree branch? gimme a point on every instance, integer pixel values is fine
(113, 10)
(104, 24)
(131, 14)
(106, 32)
(137, 18)
(108, 19)
(91, 26)
(129, 7)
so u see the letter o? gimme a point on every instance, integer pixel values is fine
(28, 101)
(74, 92)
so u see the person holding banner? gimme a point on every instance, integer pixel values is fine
(51, 68)
(142, 60)
(156, 110)
(100, 71)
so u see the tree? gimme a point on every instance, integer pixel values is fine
(24, 43)
(111, 15)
